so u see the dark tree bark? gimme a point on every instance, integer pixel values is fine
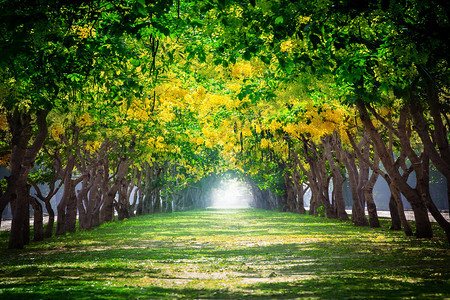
(299, 191)
(423, 225)
(334, 143)
(358, 215)
(395, 216)
(290, 197)
(88, 197)
(38, 220)
(68, 202)
(434, 135)
(51, 220)
(22, 160)
(125, 210)
(64, 164)
(53, 189)
(368, 195)
(260, 197)
(111, 187)
(366, 184)
(133, 187)
(318, 179)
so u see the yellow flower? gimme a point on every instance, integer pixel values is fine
(264, 143)
(274, 125)
(85, 120)
(258, 128)
(209, 144)
(286, 46)
(3, 123)
(93, 146)
(199, 140)
(56, 131)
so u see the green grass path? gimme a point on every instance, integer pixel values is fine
(229, 254)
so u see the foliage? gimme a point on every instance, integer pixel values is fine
(195, 89)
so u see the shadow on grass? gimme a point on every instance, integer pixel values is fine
(232, 255)
(328, 287)
(356, 287)
(88, 290)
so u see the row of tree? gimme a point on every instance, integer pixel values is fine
(134, 107)
(366, 95)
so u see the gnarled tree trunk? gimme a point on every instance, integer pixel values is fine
(333, 143)
(423, 225)
(22, 160)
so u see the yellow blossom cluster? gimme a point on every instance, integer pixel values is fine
(302, 20)
(291, 45)
(3, 123)
(139, 109)
(84, 120)
(265, 143)
(83, 32)
(246, 130)
(57, 131)
(245, 69)
(274, 125)
(318, 120)
(93, 146)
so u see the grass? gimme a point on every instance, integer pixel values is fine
(229, 254)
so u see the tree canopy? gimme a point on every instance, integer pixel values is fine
(151, 100)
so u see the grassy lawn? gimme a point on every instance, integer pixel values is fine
(228, 254)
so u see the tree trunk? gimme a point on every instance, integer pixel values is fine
(61, 209)
(38, 220)
(71, 213)
(53, 189)
(368, 189)
(423, 225)
(157, 201)
(300, 192)
(318, 180)
(425, 191)
(65, 171)
(329, 143)
(21, 161)
(112, 189)
(395, 216)
(290, 194)
(437, 148)
(401, 212)
(51, 219)
(84, 221)
(421, 169)
(374, 222)
(412, 195)
(362, 152)
(358, 215)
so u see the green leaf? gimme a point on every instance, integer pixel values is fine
(135, 62)
(279, 20)
(139, 7)
(265, 59)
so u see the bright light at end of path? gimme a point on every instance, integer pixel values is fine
(231, 194)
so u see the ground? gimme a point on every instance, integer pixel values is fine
(228, 254)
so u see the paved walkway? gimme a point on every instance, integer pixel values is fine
(6, 224)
